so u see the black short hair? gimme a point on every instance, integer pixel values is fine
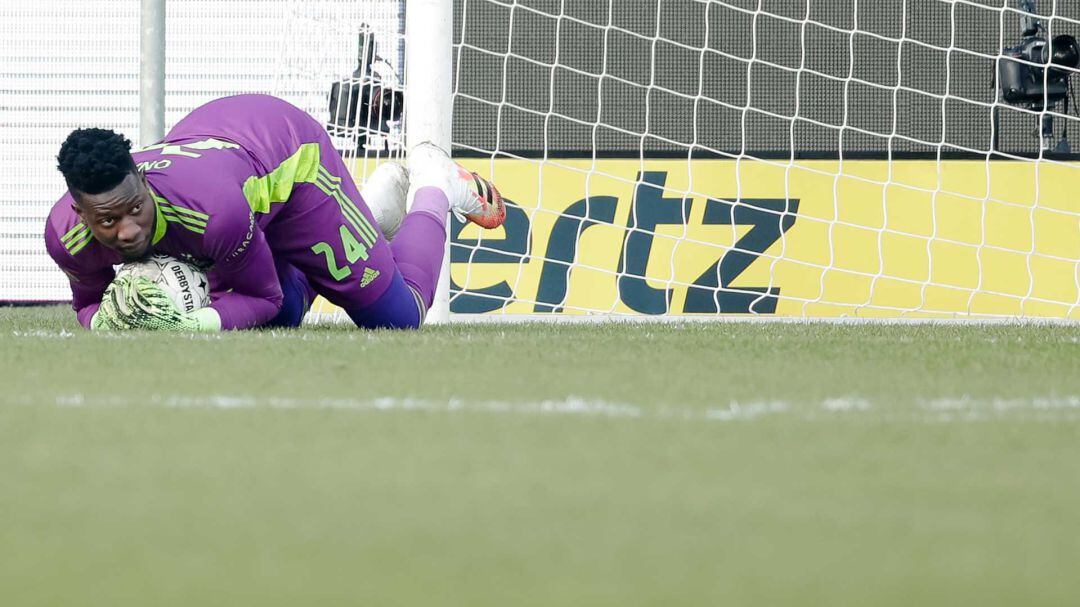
(95, 160)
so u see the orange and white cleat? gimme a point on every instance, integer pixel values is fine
(491, 212)
(470, 196)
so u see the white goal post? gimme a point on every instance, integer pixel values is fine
(429, 100)
(674, 158)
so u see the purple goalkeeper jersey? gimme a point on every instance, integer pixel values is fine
(220, 181)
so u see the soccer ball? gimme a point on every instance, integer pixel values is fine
(184, 283)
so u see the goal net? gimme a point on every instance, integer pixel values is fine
(799, 158)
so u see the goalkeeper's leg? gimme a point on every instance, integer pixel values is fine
(418, 253)
(436, 186)
(328, 232)
(350, 275)
(297, 299)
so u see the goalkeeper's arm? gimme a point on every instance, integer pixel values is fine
(243, 268)
(88, 279)
(244, 274)
(132, 302)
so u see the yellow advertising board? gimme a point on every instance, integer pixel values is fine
(806, 239)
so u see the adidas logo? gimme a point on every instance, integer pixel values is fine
(368, 277)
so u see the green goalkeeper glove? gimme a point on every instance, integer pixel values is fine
(132, 302)
(109, 316)
(148, 307)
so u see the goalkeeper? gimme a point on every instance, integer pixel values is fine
(251, 189)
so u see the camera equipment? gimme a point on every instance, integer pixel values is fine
(366, 105)
(1025, 78)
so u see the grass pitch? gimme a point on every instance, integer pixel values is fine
(629, 464)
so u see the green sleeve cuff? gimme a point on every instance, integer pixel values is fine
(206, 319)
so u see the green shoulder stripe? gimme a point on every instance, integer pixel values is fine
(330, 186)
(174, 214)
(76, 238)
(198, 228)
(74, 233)
(79, 244)
(190, 219)
(189, 213)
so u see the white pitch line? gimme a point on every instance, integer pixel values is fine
(569, 406)
(969, 404)
(845, 403)
(963, 409)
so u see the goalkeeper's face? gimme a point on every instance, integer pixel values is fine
(121, 218)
